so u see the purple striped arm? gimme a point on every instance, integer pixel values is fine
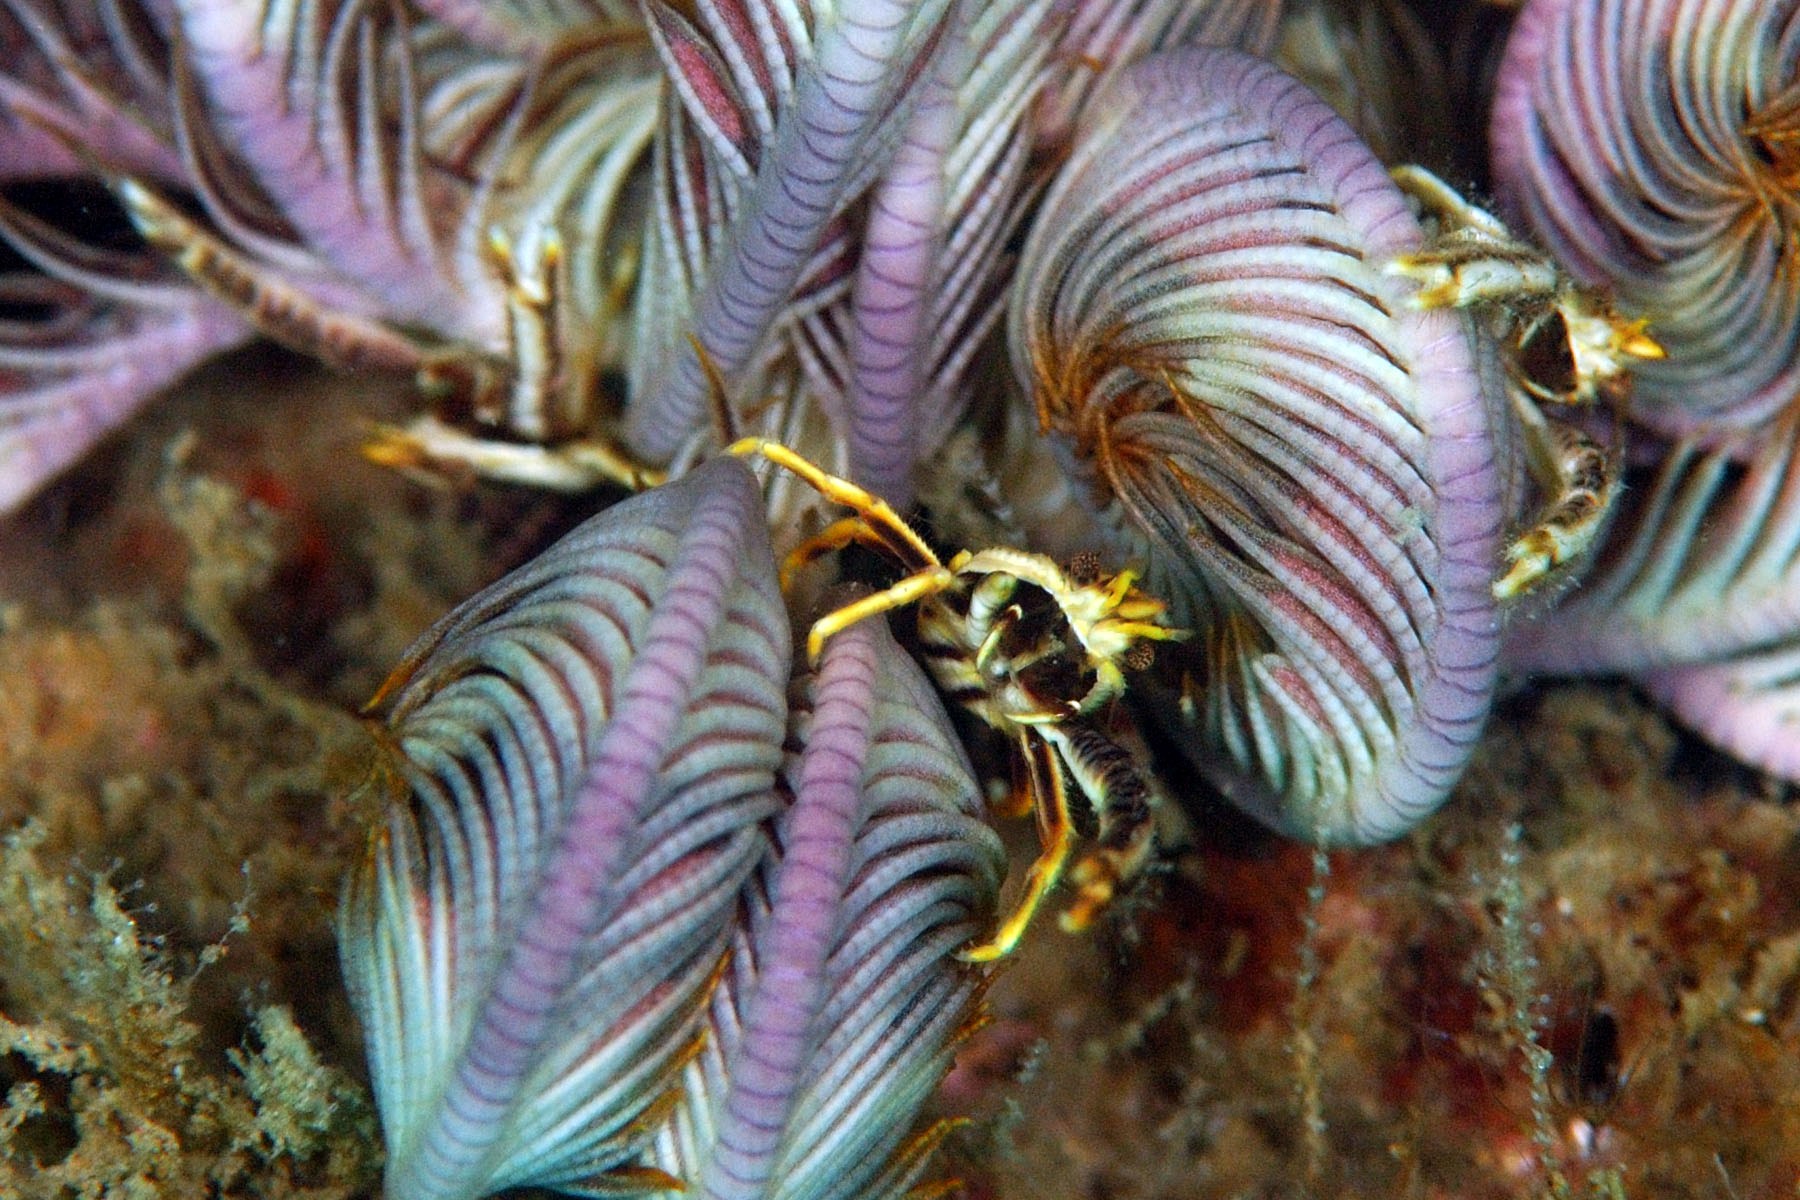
(817, 837)
(82, 87)
(824, 148)
(1650, 145)
(843, 1001)
(1747, 706)
(296, 100)
(930, 283)
(589, 748)
(116, 329)
(890, 307)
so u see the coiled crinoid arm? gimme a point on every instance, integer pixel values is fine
(1104, 37)
(1653, 146)
(843, 1000)
(589, 751)
(1748, 706)
(616, 941)
(1305, 464)
(465, 199)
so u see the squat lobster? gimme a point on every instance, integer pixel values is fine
(1032, 650)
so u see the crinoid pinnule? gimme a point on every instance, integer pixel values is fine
(1306, 464)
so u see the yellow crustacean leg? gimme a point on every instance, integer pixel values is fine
(914, 587)
(875, 522)
(1056, 833)
(1097, 875)
(840, 533)
(1018, 800)
(882, 521)
(1095, 878)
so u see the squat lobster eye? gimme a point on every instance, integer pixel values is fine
(1032, 650)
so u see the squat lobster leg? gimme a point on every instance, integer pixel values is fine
(1579, 479)
(908, 591)
(1056, 834)
(877, 514)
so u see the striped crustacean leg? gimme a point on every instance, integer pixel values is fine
(1119, 817)
(1578, 480)
(1305, 463)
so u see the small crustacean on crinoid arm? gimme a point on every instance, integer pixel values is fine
(1561, 344)
(1036, 653)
